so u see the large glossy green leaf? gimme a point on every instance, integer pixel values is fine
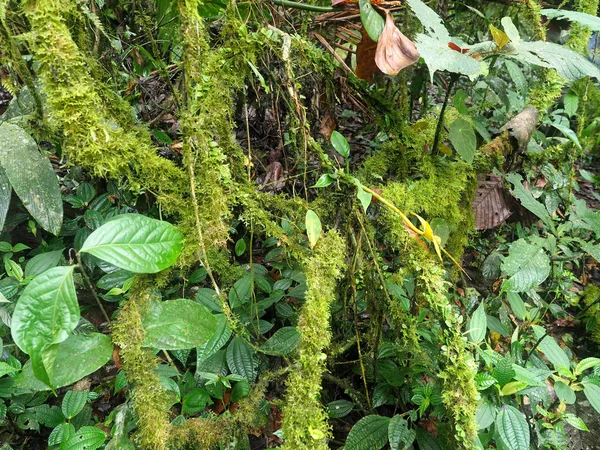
(587, 20)
(136, 243)
(42, 262)
(76, 358)
(511, 427)
(47, 311)
(86, 438)
(340, 144)
(551, 349)
(283, 341)
(339, 408)
(478, 325)
(527, 265)
(463, 139)
(400, 436)
(369, 433)
(73, 402)
(31, 176)
(241, 360)
(438, 56)
(5, 194)
(178, 325)
(371, 20)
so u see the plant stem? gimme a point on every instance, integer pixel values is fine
(91, 287)
(453, 78)
(304, 6)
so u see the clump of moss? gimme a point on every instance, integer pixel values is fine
(149, 400)
(304, 419)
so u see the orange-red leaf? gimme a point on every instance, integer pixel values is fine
(365, 57)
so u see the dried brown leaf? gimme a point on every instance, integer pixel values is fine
(491, 205)
(394, 50)
(365, 57)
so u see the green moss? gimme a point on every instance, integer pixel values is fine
(304, 419)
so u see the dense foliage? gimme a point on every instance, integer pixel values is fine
(356, 225)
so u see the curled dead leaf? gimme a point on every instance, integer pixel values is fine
(365, 57)
(394, 50)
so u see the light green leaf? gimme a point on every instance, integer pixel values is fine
(136, 243)
(42, 262)
(517, 305)
(47, 311)
(371, 20)
(313, 227)
(431, 21)
(339, 408)
(586, 364)
(511, 31)
(5, 194)
(587, 20)
(523, 374)
(575, 422)
(565, 392)
(49, 416)
(438, 56)
(61, 433)
(364, 197)
(77, 357)
(31, 176)
(551, 349)
(369, 433)
(527, 199)
(527, 265)
(516, 74)
(513, 387)
(399, 435)
(593, 250)
(592, 393)
(241, 359)
(177, 325)
(485, 415)
(463, 139)
(511, 427)
(478, 325)
(340, 144)
(283, 341)
(86, 438)
(571, 100)
(73, 402)
(568, 133)
(323, 181)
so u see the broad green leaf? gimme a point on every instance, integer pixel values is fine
(42, 262)
(217, 340)
(593, 250)
(371, 20)
(323, 181)
(551, 349)
(31, 176)
(136, 243)
(565, 392)
(241, 291)
(571, 100)
(241, 359)
(313, 227)
(86, 438)
(195, 401)
(61, 433)
(527, 199)
(587, 20)
(5, 194)
(339, 408)
(240, 390)
(114, 279)
(240, 247)
(511, 31)
(527, 265)
(592, 393)
(399, 435)
(49, 416)
(369, 433)
(568, 133)
(178, 325)
(575, 422)
(586, 364)
(511, 427)
(513, 387)
(283, 341)
(503, 372)
(77, 357)
(73, 402)
(484, 380)
(525, 375)
(364, 197)
(463, 139)
(431, 21)
(340, 144)
(86, 192)
(6, 369)
(47, 311)
(486, 414)
(516, 74)
(517, 305)
(478, 325)
(438, 56)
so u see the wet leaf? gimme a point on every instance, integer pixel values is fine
(394, 50)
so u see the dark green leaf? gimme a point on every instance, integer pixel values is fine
(86, 192)
(369, 433)
(31, 176)
(400, 436)
(283, 341)
(86, 438)
(339, 408)
(340, 144)
(512, 428)
(196, 401)
(241, 360)
(177, 324)
(371, 20)
(240, 247)
(504, 372)
(42, 262)
(136, 243)
(73, 402)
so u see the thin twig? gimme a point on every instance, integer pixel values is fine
(91, 287)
